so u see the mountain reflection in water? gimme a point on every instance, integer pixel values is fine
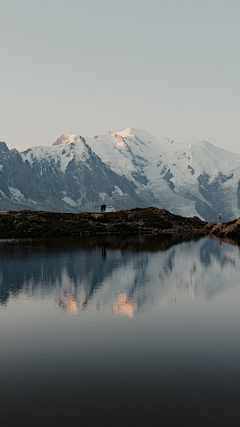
(136, 331)
(119, 276)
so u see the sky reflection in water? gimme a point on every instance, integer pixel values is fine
(139, 330)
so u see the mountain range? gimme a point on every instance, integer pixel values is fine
(123, 169)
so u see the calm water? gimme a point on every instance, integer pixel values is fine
(143, 331)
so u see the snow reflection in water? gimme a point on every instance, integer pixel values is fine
(98, 275)
(143, 331)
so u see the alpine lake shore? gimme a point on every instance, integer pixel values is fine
(32, 224)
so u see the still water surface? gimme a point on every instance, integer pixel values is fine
(141, 331)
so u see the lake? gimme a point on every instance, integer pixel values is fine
(111, 331)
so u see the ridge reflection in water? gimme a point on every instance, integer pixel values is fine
(120, 277)
(139, 330)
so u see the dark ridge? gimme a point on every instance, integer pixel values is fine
(26, 223)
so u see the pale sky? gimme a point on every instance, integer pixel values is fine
(169, 67)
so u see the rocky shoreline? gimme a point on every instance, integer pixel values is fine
(25, 223)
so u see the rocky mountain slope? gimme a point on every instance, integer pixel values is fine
(123, 169)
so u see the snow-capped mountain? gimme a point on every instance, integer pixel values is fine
(125, 169)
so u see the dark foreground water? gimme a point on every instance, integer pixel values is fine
(109, 332)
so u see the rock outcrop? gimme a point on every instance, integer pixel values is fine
(230, 230)
(133, 221)
(152, 221)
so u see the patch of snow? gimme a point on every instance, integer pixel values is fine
(102, 195)
(117, 191)
(61, 157)
(69, 201)
(17, 195)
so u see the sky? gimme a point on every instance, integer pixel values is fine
(169, 67)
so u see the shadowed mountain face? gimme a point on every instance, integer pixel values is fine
(120, 276)
(123, 169)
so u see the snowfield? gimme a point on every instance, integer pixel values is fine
(122, 169)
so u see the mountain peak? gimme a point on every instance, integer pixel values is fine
(68, 139)
(131, 132)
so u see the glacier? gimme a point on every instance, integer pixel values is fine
(123, 169)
